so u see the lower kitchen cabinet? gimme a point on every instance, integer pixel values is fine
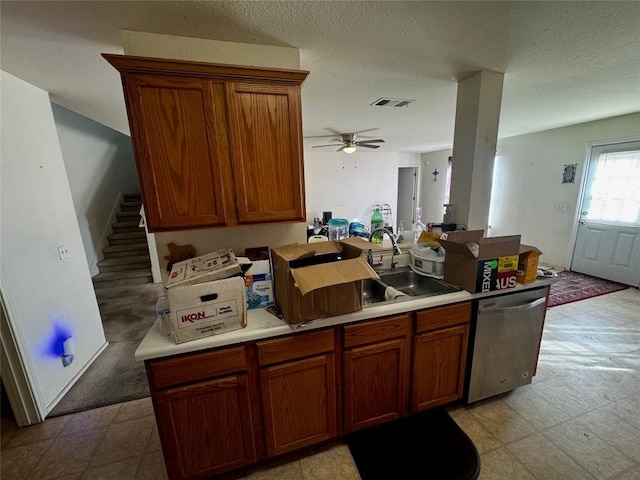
(375, 370)
(204, 407)
(223, 409)
(206, 427)
(440, 355)
(298, 387)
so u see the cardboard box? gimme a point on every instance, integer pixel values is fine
(203, 300)
(208, 308)
(320, 279)
(212, 266)
(528, 264)
(259, 284)
(494, 268)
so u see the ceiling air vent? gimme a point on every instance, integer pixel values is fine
(391, 102)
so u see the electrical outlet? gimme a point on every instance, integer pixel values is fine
(64, 252)
(560, 207)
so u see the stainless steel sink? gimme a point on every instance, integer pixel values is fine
(411, 283)
(373, 291)
(405, 280)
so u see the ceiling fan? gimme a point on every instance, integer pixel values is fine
(349, 141)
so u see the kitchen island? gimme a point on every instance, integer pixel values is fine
(236, 398)
(262, 324)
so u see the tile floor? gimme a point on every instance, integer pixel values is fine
(579, 419)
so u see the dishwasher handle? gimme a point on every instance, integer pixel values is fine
(521, 308)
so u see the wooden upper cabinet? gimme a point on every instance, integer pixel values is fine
(267, 152)
(215, 145)
(179, 133)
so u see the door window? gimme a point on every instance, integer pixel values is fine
(614, 194)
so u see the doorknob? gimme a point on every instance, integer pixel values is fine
(583, 222)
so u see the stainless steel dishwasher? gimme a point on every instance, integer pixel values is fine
(506, 342)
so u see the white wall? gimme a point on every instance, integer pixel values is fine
(100, 165)
(146, 44)
(349, 192)
(433, 192)
(45, 296)
(528, 183)
(349, 185)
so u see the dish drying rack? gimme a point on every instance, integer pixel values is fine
(387, 214)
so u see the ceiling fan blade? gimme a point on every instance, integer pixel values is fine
(330, 145)
(322, 136)
(332, 133)
(367, 130)
(375, 140)
(361, 144)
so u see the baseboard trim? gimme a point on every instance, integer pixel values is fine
(77, 376)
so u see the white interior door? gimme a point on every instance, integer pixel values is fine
(407, 191)
(608, 239)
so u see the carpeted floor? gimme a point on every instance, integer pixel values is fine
(127, 314)
(573, 286)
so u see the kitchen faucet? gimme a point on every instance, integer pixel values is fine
(394, 242)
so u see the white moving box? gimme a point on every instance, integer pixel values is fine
(212, 266)
(203, 300)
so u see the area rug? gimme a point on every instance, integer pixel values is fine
(426, 446)
(572, 286)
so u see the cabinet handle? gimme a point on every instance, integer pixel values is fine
(523, 307)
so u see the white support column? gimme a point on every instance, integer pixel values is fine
(474, 148)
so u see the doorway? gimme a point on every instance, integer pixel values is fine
(608, 233)
(407, 196)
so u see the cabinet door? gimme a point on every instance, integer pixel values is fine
(179, 134)
(438, 367)
(375, 384)
(206, 428)
(299, 402)
(265, 130)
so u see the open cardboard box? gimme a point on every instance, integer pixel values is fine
(207, 296)
(323, 279)
(494, 268)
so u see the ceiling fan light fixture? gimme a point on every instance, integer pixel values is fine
(349, 148)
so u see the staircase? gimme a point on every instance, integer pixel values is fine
(126, 258)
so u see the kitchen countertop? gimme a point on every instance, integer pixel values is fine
(262, 324)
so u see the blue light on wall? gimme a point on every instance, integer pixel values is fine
(60, 345)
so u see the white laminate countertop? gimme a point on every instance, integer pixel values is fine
(262, 324)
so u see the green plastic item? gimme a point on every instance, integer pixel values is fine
(377, 221)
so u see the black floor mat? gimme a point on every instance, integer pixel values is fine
(425, 446)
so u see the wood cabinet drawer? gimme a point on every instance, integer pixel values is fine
(295, 347)
(376, 331)
(195, 367)
(443, 317)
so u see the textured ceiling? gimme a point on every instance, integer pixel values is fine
(564, 62)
